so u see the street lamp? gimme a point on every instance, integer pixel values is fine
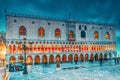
(25, 65)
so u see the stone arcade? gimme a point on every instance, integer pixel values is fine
(49, 39)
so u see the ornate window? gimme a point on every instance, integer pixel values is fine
(57, 33)
(70, 34)
(96, 35)
(83, 34)
(22, 30)
(85, 27)
(41, 31)
(79, 27)
(9, 49)
(107, 35)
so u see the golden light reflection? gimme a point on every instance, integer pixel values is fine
(2, 53)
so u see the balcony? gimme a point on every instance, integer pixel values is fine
(71, 39)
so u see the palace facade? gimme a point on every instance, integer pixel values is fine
(48, 39)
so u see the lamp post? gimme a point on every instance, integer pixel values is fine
(25, 65)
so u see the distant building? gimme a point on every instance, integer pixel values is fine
(48, 39)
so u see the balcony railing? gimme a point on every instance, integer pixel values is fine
(71, 39)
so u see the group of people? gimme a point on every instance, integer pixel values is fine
(116, 60)
(14, 67)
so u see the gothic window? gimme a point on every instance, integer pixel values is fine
(70, 34)
(62, 24)
(48, 23)
(107, 35)
(41, 31)
(83, 34)
(14, 48)
(9, 49)
(57, 32)
(22, 30)
(85, 27)
(79, 27)
(96, 35)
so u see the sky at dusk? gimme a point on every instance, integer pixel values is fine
(96, 11)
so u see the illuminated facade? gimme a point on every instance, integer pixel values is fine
(2, 49)
(48, 39)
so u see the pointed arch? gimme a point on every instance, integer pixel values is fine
(107, 35)
(44, 58)
(101, 55)
(83, 34)
(86, 57)
(91, 56)
(19, 47)
(22, 30)
(37, 59)
(64, 58)
(96, 57)
(105, 56)
(41, 31)
(10, 48)
(14, 48)
(81, 57)
(58, 58)
(70, 34)
(70, 57)
(51, 58)
(76, 57)
(57, 33)
(29, 60)
(20, 59)
(12, 59)
(96, 35)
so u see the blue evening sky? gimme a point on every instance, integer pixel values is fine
(97, 11)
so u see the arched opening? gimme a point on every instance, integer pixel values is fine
(57, 33)
(41, 31)
(20, 59)
(83, 34)
(44, 58)
(70, 34)
(96, 57)
(91, 57)
(64, 58)
(75, 57)
(22, 30)
(37, 59)
(12, 60)
(51, 59)
(105, 56)
(19, 48)
(29, 60)
(30, 48)
(86, 57)
(81, 57)
(14, 48)
(107, 35)
(58, 58)
(10, 49)
(101, 56)
(70, 57)
(39, 48)
(35, 48)
(96, 35)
